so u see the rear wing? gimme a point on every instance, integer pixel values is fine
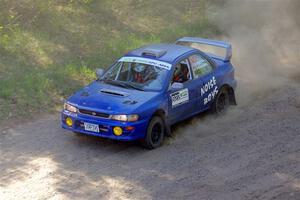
(214, 48)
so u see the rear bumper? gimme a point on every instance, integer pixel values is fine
(106, 126)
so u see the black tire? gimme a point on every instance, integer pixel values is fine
(155, 133)
(221, 102)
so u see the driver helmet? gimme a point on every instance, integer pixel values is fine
(139, 68)
(177, 70)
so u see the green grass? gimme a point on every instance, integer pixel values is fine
(49, 49)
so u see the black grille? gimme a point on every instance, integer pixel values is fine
(93, 113)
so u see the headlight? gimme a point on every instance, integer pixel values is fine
(125, 118)
(70, 108)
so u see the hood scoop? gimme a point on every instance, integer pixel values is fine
(114, 92)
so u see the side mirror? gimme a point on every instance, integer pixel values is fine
(176, 86)
(99, 73)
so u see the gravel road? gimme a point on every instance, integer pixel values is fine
(252, 152)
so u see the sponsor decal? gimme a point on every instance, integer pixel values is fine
(180, 97)
(147, 61)
(211, 89)
(211, 95)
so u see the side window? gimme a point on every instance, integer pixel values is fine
(182, 72)
(200, 66)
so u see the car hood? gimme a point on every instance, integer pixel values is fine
(111, 99)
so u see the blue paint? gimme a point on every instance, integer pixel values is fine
(107, 99)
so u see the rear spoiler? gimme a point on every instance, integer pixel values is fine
(220, 49)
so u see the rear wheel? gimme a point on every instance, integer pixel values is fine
(155, 133)
(221, 103)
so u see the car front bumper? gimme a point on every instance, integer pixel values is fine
(105, 126)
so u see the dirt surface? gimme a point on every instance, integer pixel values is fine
(252, 152)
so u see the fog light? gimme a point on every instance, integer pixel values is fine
(69, 121)
(118, 131)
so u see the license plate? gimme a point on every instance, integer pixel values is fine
(91, 127)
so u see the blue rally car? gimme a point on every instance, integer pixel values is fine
(150, 88)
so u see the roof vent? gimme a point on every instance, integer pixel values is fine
(154, 52)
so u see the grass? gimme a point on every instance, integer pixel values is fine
(49, 49)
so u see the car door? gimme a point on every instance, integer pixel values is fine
(205, 76)
(182, 100)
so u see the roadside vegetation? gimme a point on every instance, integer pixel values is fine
(49, 49)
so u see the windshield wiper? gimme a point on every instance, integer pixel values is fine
(133, 86)
(114, 82)
(122, 84)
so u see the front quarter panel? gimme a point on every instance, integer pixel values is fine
(146, 110)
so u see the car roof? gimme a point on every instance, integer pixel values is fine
(165, 52)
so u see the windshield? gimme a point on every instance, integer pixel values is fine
(137, 73)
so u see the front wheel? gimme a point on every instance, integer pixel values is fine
(155, 133)
(221, 103)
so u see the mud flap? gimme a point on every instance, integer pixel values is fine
(232, 99)
(168, 131)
